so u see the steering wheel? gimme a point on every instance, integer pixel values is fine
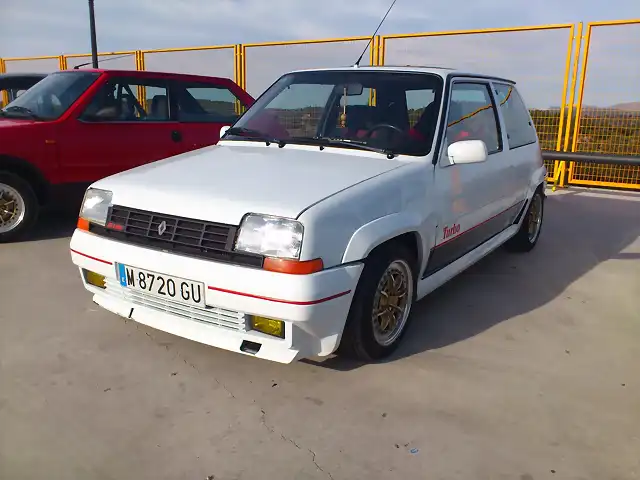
(384, 125)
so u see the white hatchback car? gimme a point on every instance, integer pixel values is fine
(337, 200)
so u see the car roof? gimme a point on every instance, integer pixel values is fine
(143, 73)
(23, 75)
(435, 70)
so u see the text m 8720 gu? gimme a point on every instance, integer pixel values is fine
(161, 285)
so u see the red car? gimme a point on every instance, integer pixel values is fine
(75, 127)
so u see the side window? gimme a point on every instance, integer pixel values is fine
(204, 102)
(472, 116)
(122, 100)
(520, 129)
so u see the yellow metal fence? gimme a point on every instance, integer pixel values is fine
(616, 128)
(570, 63)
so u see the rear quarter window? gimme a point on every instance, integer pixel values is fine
(518, 123)
(205, 102)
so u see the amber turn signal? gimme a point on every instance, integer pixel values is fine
(295, 267)
(83, 224)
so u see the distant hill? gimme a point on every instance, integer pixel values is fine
(628, 107)
(623, 107)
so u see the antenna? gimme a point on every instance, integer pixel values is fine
(374, 33)
(105, 60)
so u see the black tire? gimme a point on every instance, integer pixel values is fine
(28, 199)
(358, 338)
(523, 241)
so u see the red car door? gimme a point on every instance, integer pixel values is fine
(124, 124)
(203, 106)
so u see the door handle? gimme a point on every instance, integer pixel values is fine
(176, 136)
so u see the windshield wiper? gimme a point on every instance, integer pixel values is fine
(327, 141)
(21, 110)
(250, 133)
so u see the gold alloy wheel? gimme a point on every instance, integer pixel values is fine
(535, 217)
(12, 208)
(392, 302)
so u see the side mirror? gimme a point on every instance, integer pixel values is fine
(467, 151)
(223, 130)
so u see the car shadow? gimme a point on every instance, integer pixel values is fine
(53, 224)
(581, 230)
(58, 219)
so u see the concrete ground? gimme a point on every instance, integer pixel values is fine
(525, 367)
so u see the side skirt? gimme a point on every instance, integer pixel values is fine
(450, 251)
(428, 284)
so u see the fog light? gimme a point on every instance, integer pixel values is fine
(268, 326)
(94, 279)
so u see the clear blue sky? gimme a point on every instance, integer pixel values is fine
(52, 27)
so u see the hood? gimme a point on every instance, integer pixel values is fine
(15, 122)
(223, 182)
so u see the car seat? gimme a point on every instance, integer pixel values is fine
(159, 107)
(128, 109)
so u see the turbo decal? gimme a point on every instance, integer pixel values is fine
(449, 232)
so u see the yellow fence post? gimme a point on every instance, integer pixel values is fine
(373, 51)
(381, 45)
(142, 91)
(578, 47)
(560, 175)
(237, 64)
(238, 73)
(140, 64)
(244, 66)
(565, 103)
(578, 106)
(62, 62)
(373, 61)
(5, 95)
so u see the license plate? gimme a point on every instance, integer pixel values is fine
(161, 285)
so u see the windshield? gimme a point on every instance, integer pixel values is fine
(384, 111)
(52, 96)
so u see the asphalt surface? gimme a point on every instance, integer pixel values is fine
(525, 367)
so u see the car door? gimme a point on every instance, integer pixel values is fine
(125, 124)
(520, 138)
(474, 202)
(203, 108)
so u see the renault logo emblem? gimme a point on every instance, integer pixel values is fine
(162, 228)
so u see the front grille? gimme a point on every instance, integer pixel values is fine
(220, 317)
(187, 236)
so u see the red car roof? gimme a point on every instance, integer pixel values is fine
(143, 73)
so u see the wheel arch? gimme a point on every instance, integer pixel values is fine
(29, 173)
(383, 232)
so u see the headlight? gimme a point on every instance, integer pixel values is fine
(95, 206)
(270, 236)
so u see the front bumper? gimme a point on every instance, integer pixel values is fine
(314, 307)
